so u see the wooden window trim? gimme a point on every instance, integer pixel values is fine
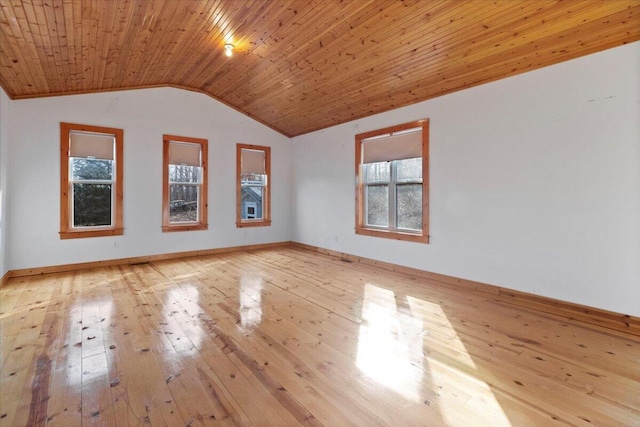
(167, 226)
(266, 208)
(66, 231)
(361, 228)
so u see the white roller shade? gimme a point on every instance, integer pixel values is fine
(253, 161)
(96, 145)
(184, 153)
(405, 145)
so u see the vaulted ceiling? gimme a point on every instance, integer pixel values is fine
(298, 65)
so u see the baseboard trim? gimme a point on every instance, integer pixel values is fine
(593, 316)
(5, 278)
(136, 260)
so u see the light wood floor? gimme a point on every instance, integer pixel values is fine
(287, 337)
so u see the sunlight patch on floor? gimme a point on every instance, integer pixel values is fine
(389, 347)
(187, 296)
(250, 301)
(92, 314)
(438, 327)
(395, 334)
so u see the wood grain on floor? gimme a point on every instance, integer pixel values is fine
(285, 337)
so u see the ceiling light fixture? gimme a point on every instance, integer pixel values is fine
(228, 49)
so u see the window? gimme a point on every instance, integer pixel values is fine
(90, 181)
(253, 188)
(184, 183)
(392, 182)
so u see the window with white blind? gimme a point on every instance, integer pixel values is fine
(90, 181)
(184, 196)
(392, 186)
(253, 186)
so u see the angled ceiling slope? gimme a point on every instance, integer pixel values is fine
(298, 66)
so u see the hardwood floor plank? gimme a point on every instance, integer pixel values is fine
(287, 337)
(14, 316)
(27, 367)
(65, 398)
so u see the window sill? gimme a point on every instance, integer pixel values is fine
(187, 227)
(253, 223)
(91, 233)
(409, 237)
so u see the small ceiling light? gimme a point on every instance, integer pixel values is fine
(228, 49)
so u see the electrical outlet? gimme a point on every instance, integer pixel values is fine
(116, 244)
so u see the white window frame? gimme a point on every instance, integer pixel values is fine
(111, 182)
(392, 184)
(198, 186)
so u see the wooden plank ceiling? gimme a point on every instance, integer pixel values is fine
(298, 66)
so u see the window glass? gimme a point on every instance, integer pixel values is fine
(184, 174)
(377, 172)
(91, 169)
(92, 200)
(183, 203)
(252, 195)
(409, 169)
(378, 205)
(183, 193)
(409, 206)
(92, 205)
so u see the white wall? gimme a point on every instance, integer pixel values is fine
(145, 115)
(4, 165)
(535, 183)
(535, 180)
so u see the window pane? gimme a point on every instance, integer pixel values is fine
(409, 206)
(376, 172)
(183, 203)
(91, 169)
(377, 205)
(251, 205)
(91, 205)
(253, 178)
(183, 173)
(409, 169)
